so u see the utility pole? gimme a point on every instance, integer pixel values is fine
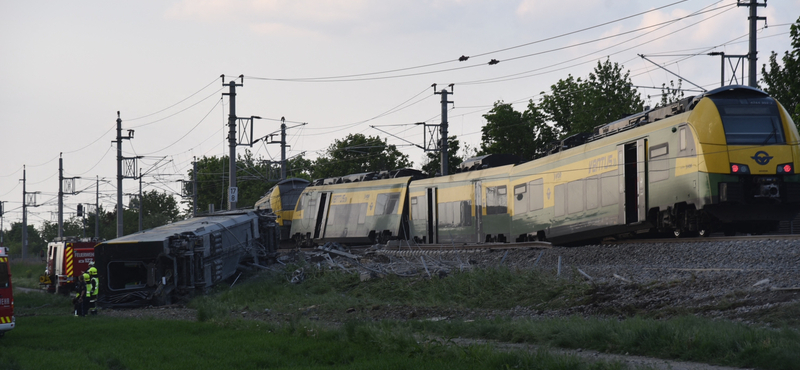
(97, 210)
(753, 53)
(194, 187)
(24, 215)
(269, 139)
(70, 182)
(443, 128)
(1, 223)
(233, 191)
(130, 168)
(140, 199)
(28, 200)
(283, 148)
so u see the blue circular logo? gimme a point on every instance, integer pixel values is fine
(761, 157)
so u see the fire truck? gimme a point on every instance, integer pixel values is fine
(67, 258)
(7, 320)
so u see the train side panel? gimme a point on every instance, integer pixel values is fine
(354, 213)
(469, 207)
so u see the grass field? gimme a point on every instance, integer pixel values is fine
(341, 334)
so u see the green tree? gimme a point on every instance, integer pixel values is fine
(300, 167)
(253, 178)
(671, 94)
(433, 164)
(71, 227)
(358, 154)
(576, 105)
(13, 240)
(783, 83)
(525, 134)
(158, 208)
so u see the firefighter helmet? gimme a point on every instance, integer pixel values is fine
(92, 271)
(85, 277)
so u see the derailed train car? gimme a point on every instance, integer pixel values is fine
(177, 260)
(281, 200)
(357, 209)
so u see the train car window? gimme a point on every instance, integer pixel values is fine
(455, 214)
(750, 121)
(362, 213)
(591, 193)
(609, 188)
(537, 194)
(466, 213)
(659, 159)
(446, 213)
(419, 209)
(380, 204)
(682, 139)
(387, 203)
(559, 198)
(521, 198)
(496, 200)
(575, 196)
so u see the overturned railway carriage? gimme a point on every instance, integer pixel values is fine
(169, 262)
(722, 161)
(357, 209)
(281, 200)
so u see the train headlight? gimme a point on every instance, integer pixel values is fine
(785, 168)
(739, 168)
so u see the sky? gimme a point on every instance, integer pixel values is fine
(330, 68)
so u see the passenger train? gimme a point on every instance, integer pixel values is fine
(721, 161)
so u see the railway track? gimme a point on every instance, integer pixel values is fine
(405, 246)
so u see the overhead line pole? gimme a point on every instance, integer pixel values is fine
(753, 52)
(443, 128)
(233, 194)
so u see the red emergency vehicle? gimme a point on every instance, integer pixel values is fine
(66, 259)
(7, 320)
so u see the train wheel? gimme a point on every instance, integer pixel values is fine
(677, 233)
(703, 232)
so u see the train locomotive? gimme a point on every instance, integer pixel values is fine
(721, 161)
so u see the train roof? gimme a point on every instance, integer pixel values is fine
(370, 176)
(197, 224)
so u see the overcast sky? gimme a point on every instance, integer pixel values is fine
(342, 66)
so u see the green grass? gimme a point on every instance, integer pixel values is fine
(288, 337)
(686, 338)
(333, 291)
(64, 342)
(25, 273)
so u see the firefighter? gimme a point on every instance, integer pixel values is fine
(94, 283)
(80, 298)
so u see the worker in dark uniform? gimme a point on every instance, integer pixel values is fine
(80, 297)
(92, 288)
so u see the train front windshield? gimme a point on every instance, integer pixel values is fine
(753, 121)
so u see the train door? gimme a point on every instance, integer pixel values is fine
(632, 181)
(322, 214)
(478, 195)
(433, 224)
